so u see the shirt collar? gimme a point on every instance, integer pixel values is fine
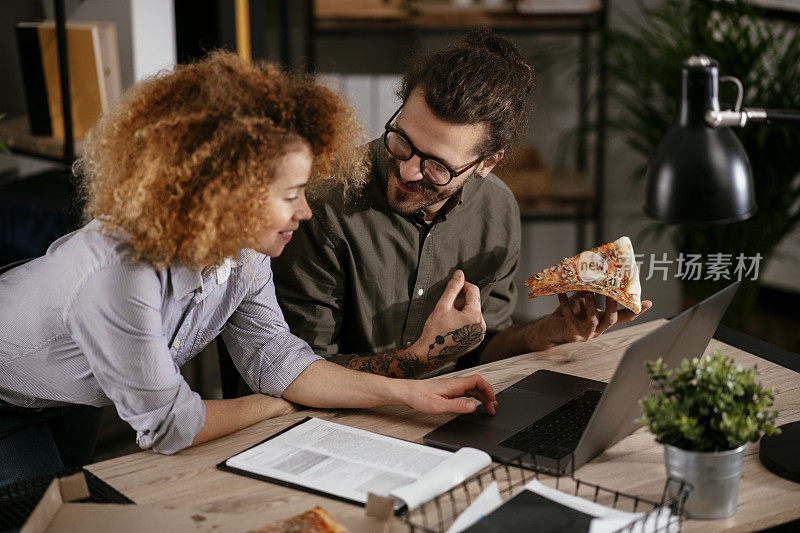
(453, 202)
(223, 271)
(184, 281)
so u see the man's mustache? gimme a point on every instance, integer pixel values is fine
(416, 186)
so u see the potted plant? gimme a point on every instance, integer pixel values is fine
(3, 146)
(704, 413)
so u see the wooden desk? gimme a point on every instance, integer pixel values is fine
(635, 465)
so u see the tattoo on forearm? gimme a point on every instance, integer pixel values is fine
(464, 338)
(374, 364)
(404, 364)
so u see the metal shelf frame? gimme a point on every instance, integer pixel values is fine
(67, 147)
(584, 25)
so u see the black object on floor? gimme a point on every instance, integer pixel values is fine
(17, 501)
(34, 212)
(788, 527)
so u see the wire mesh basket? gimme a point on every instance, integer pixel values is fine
(437, 515)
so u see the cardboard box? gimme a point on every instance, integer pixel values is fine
(58, 512)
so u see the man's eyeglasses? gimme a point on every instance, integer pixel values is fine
(432, 169)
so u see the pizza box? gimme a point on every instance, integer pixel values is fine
(58, 512)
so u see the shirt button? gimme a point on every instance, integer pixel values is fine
(408, 343)
(420, 292)
(176, 343)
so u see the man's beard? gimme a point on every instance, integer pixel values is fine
(397, 200)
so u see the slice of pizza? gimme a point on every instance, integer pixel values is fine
(609, 270)
(317, 520)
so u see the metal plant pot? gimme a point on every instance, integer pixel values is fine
(714, 477)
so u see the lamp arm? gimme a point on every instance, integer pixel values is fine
(729, 117)
(783, 115)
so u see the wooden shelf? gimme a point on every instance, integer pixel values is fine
(572, 199)
(376, 15)
(15, 134)
(539, 189)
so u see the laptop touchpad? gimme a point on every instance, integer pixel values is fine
(517, 408)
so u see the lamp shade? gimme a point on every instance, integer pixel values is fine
(699, 174)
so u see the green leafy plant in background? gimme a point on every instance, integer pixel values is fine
(707, 405)
(643, 62)
(3, 147)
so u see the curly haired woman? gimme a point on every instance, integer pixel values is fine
(193, 181)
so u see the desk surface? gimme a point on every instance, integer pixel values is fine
(635, 465)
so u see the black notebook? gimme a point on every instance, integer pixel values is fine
(528, 511)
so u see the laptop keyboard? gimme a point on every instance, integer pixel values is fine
(556, 434)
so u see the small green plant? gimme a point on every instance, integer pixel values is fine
(707, 405)
(3, 146)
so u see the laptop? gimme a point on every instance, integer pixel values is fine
(559, 417)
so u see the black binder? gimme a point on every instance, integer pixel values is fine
(528, 511)
(223, 466)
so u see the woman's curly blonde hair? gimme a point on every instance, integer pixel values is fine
(181, 165)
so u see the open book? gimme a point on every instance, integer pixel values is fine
(347, 463)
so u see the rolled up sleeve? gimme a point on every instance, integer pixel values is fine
(115, 318)
(268, 356)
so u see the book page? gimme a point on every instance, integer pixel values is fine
(443, 477)
(340, 460)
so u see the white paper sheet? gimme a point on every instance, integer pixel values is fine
(442, 477)
(606, 519)
(346, 462)
(486, 502)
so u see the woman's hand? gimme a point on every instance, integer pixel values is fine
(447, 395)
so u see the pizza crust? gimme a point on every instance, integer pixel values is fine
(610, 270)
(316, 520)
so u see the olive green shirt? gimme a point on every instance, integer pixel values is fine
(359, 278)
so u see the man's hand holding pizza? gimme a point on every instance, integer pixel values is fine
(577, 318)
(610, 270)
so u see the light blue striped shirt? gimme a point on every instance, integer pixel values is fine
(85, 324)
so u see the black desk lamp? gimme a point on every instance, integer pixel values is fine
(700, 174)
